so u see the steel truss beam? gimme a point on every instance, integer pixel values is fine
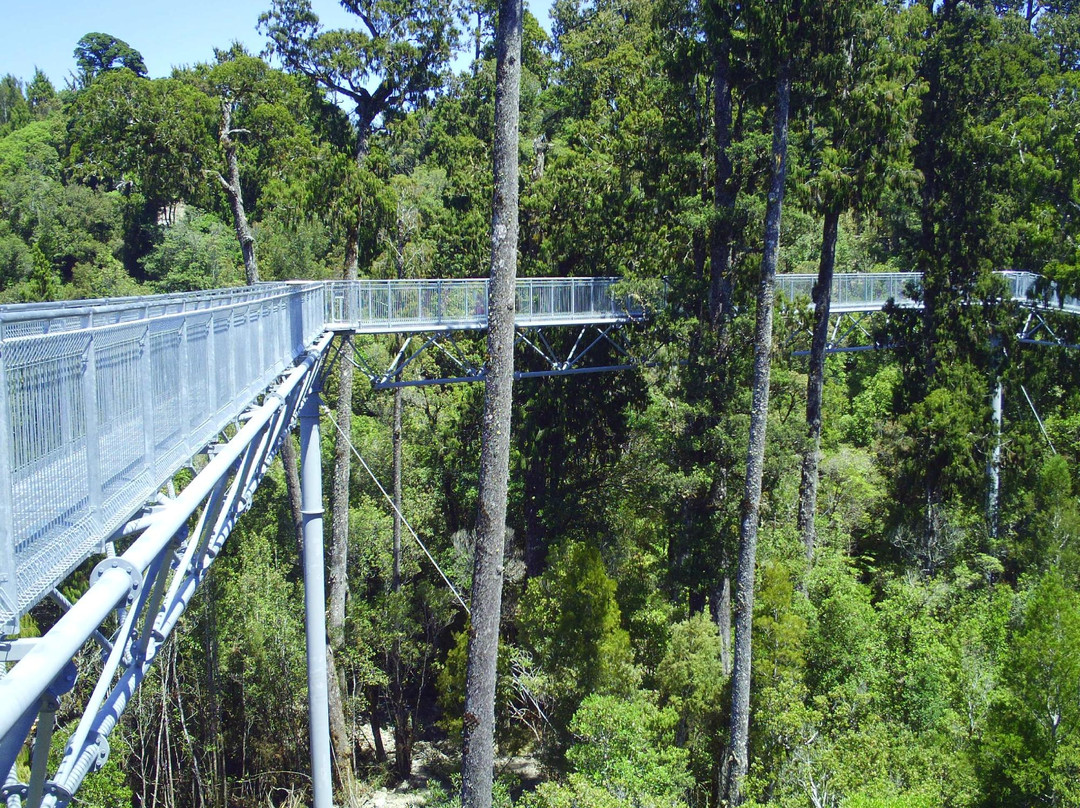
(846, 327)
(534, 339)
(147, 588)
(1037, 331)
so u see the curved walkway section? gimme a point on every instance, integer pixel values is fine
(104, 401)
(870, 291)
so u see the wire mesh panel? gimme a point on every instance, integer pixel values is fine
(853, 291)
(103, 401)
(380, 306)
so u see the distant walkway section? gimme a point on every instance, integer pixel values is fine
(870, 291)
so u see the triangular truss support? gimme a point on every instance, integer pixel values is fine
(534, 339)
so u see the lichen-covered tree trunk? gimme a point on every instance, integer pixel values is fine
(246, 236)
(737, 761)
(402, 725)
(478, 740)
(337, 579)
(291, 463)
(401, 717)
(815, 382)
(233, 191)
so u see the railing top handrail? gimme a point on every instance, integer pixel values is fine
(22, 312)
(13, 312)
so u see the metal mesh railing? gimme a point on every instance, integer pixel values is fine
(372, 306)
(854, 291)
(102, 401)
(870, 291)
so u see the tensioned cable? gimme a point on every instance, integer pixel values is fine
(1037, 418)
(535, 702)
(393, 505)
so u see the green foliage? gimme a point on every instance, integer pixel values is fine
(439, 797)
(97, 53)
(198, 252)
(1032, 747)
(129, 132)
(692, 682)
(571, 624)
(511, 682)
(624, 755)
(14, 110)
(920, 660)
(871, 406)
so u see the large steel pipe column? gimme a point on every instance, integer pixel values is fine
(311, 496)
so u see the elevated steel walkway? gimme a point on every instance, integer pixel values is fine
(107, 400)
(870, 291)
(859, 296)
(103, 402)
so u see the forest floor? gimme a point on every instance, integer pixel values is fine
(431, 765)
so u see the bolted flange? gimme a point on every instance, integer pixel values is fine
(121, 564)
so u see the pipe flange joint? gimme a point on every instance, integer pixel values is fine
(121, 564)
(103, 753)
(20, 790)
(54, 789)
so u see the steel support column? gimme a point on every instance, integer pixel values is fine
(311, 496)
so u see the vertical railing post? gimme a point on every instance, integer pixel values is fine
(146, 368)
(183, 366)
(8, 578)
(95, 496)
(211, 366)
(311, 497)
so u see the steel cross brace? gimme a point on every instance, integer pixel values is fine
(533, 338)
(443, 342)
(558, 365)
(1037, 331)
(148, 588)
(842, 326)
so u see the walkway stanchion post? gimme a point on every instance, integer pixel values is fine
(311, 502)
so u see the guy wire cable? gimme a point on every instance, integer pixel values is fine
(393, 505)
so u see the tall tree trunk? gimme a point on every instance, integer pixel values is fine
(479, 721)
(246, 237)
(815, 381)
(720, 605)
(233, 191)
(338, 581)
(737, 761)
(993, 466)
(402, 726)
(291, 464)
(340, 739)
(376, 723)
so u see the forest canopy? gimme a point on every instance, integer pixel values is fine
(915, 574)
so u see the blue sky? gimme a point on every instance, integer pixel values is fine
(43, 33)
